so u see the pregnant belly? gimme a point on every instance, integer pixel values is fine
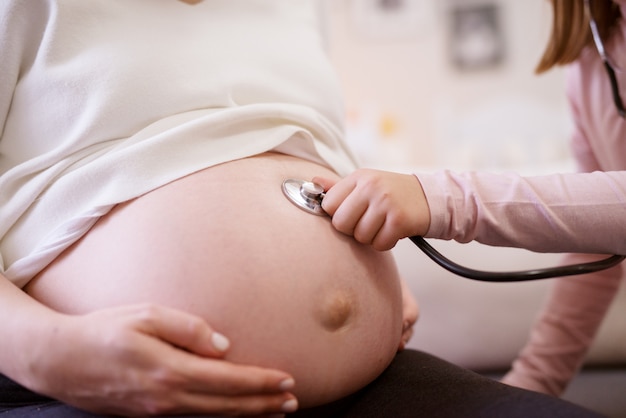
(286, 288)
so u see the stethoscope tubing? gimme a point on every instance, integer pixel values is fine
(514, 276)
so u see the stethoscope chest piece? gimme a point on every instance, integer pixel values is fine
(305, 194)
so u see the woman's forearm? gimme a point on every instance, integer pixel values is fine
(24, 326)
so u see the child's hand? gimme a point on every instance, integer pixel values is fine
(376, 207)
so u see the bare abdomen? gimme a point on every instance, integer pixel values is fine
(286, 288)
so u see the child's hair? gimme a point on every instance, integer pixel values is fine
(570, 29)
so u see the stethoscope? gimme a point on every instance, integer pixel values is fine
(308, 196)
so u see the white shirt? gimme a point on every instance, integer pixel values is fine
(102, 101)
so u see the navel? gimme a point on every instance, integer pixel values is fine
(336, 309)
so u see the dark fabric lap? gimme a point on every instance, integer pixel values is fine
(415, 384)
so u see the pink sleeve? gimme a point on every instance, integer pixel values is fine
(544, 213)
(581, 149)
(565, 329)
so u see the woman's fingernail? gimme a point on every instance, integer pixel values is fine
(220, 342)
(287, 384)
(290, 406)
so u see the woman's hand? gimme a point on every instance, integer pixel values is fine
(410, 313)
(144, 360)
(376, 207)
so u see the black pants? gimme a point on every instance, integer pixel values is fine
(415, 385)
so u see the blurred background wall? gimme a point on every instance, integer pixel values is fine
(433, 84)
(449, 83)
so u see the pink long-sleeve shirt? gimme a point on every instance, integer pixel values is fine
(577, 212)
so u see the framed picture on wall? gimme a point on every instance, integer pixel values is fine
(476, 38)
(388, 19)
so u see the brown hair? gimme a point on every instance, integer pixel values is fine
(570, 30)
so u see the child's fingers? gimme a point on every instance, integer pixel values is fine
(345, 207)
(326, 183)
(369, 225)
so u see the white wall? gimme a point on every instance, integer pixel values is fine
(409, 106)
